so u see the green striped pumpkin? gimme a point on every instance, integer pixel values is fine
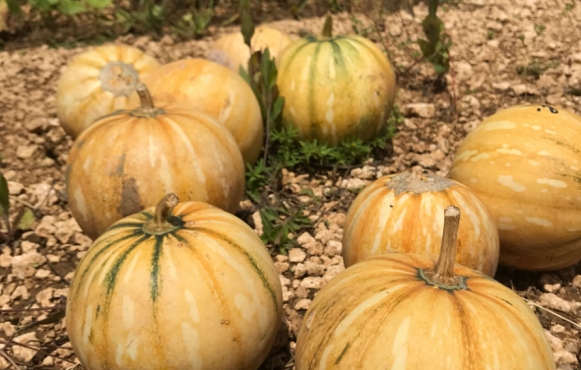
(190, 287)
(335, 87)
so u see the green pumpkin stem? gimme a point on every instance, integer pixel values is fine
(160, 223)
(328, 27)
(145, 97)
(443, 272)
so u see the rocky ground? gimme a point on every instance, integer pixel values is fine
(492, 42)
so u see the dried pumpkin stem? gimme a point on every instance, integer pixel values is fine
(444, 269)
(328, 27)
(417, 173)
(160, 223)
(145, 97)
(164, 208)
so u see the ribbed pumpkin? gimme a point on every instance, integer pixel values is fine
(191, 287)
(409, 311)
(127, 161)
(217, 91)
(238, 53)
(524, 163)
(99, 82)
(403, 213)
(335, 87)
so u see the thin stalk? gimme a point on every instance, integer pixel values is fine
(164, 208)
(444, 268)
(144, 97)
(160, 223)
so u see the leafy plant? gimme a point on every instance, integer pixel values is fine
(195, 22)
(539, 29)
(24, 219)
(535, 68)
(358, 27)
(278, 223)
(436, 48)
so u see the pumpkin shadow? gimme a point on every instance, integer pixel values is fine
(280, 354)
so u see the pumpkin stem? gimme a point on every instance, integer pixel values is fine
(160, 223)
(145, 97)
(444, 269)
(147, 109)
(417, 173)
(328, 27)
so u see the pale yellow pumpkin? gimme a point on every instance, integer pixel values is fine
(335, 87)
(211, 88)
(127, 161)
(231, 51)
(191, 287)
(524, 163)
(408, 311)
(403, 213)
(98, 82)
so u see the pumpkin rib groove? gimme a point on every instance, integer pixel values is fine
(486, 303)
(496, 300)
(248, 256)
(364, 320)
(466, 332)
(216, 287)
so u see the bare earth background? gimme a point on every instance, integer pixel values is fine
(487, 49)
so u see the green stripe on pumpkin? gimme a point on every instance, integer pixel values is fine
(338, 56)
(100, 252)
(135, 225)
(111, 277)
(290, 58)
(371, 51)
(155, 277)
(315, 126)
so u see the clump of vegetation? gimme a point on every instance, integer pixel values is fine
(23, 220)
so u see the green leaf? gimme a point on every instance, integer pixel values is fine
(427, 49)
(41, 5)
(71, 7)
(246, 26)
(99, 4)
(277, 108)
(25, 219)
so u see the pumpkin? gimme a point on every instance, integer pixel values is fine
(99, 82)
(231, 51)
(410, 311)
(335, 87)
(403, 213)
(524, 163)
(217, 91)
(175, 288)
(127, 161)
